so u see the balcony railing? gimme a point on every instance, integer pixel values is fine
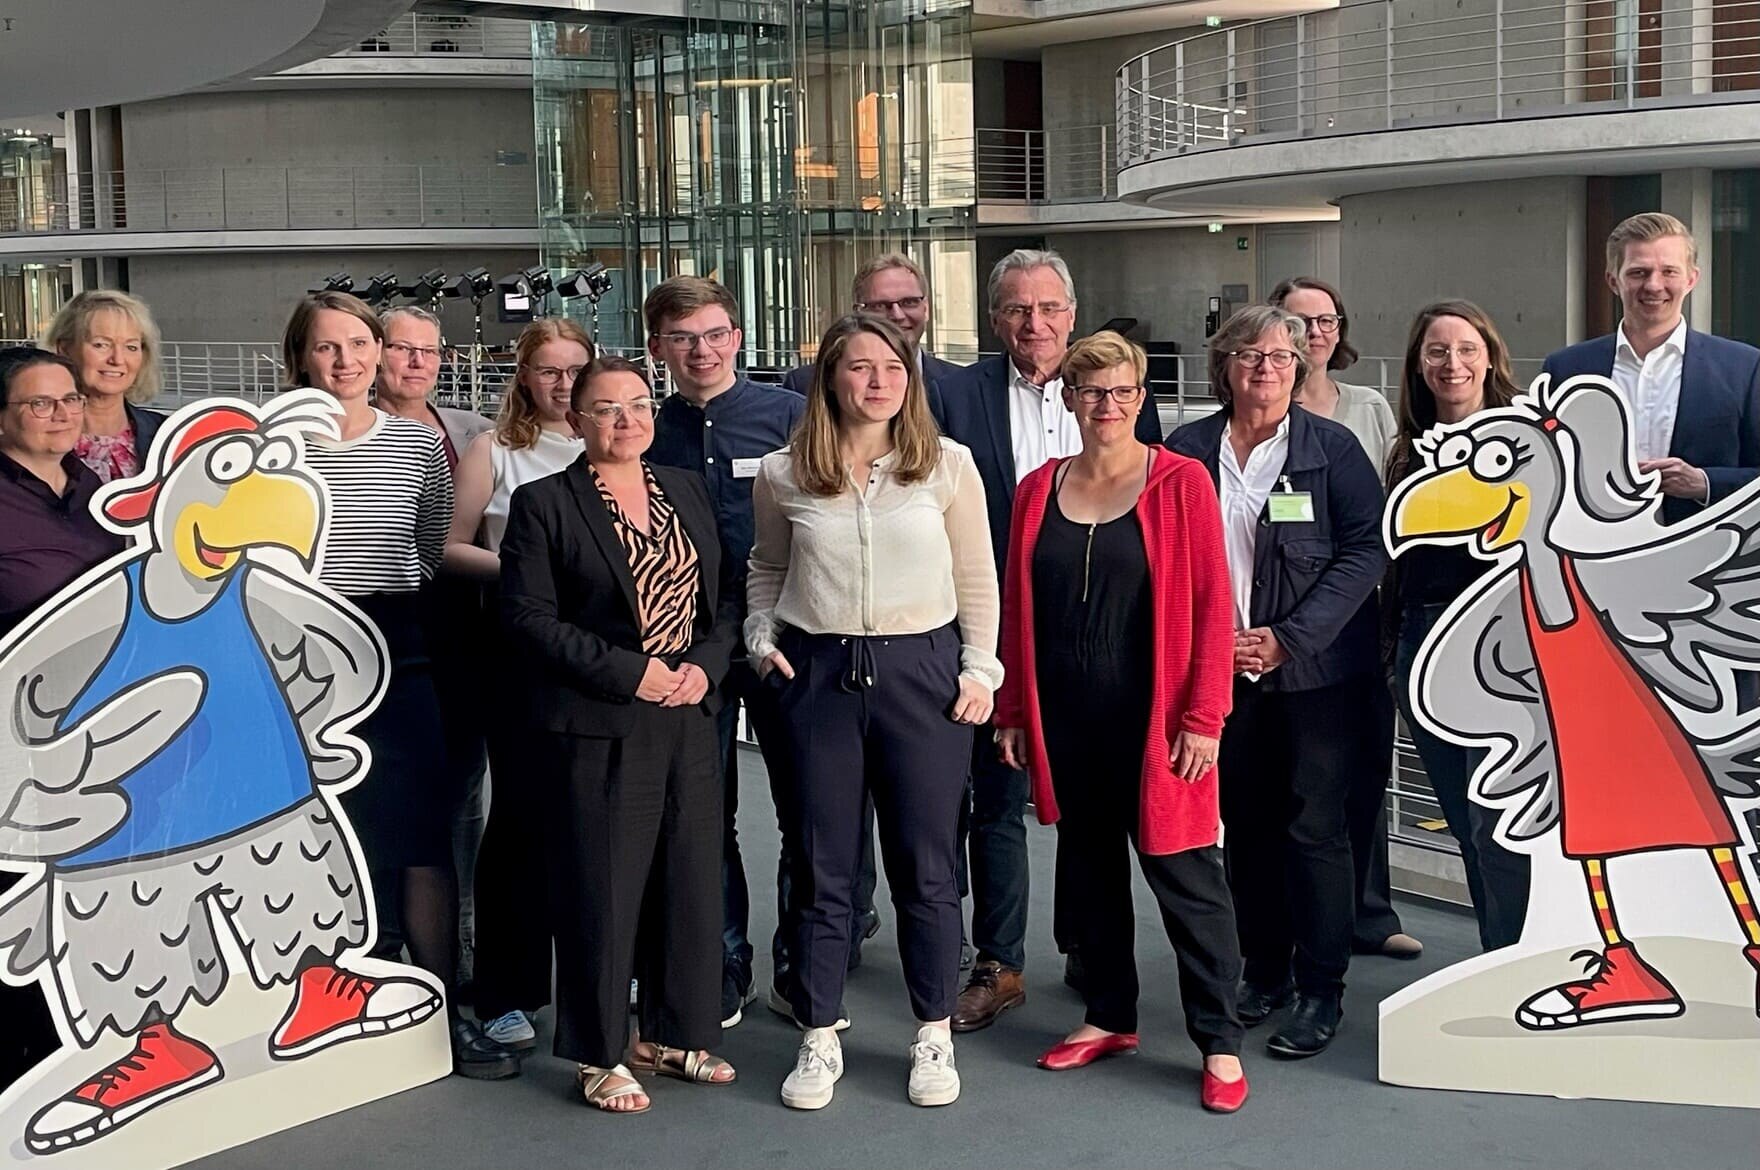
(269, 199)
(1375, 65)
(1072, 164)
(423, 35)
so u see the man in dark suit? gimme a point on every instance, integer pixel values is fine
(1009, 410)
(893, 286)
(1694, 397)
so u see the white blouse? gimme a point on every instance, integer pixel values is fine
(511, 469)
(887, 558)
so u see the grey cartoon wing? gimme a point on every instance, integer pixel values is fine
(330, 662)
(1475, 683)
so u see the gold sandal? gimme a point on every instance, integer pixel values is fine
(593, 1080)
(694, 1067)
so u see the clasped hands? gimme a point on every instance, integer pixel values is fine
(683, 687)
(1257, 651)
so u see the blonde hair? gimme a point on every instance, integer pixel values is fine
(916, 440)
(1243, 329)
(299, 328)
(880, 264)
(72, 327)
(1641, 229)
(1103, 351)
(516, 423)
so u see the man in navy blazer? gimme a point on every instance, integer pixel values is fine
(893, 286)
(1694, 397)
(1009, 410)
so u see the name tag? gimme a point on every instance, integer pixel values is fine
(746, 468)
(1291, 507)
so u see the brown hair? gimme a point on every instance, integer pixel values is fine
(681, 296)
(516, 423)
(73, 325)
(1641, 229)
(1242, 329)
(1417, 405)
(299, 329)
(1102, 351)
(916, 440)
(607, 363)
(16, 359)
(880, 264)
(1343, 352)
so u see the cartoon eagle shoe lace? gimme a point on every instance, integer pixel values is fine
(1620, 986)
(332, 1005)
(163, 1065)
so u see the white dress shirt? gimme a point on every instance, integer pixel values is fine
(1039, 424)
(1651, 386)
(1245, 490)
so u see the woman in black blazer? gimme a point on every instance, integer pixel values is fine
(622, 615)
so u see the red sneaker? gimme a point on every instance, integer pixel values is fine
(163, 1065)
(1621, 986)
(332, 1005)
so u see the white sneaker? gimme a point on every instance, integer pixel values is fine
(512, 1030)
(934, 1080)
(816, 1071)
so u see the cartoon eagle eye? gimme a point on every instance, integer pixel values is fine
(276, 455)
(1454, 451)
(1494, 459)
(231, 460)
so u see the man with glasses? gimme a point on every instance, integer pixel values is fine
(1009, 410)
(891, 285)
(720, 424)
(409, 369)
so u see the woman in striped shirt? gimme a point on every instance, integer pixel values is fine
(390, 508)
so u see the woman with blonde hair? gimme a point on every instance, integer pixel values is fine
(111, 339)
(873, 612)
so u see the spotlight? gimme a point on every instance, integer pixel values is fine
(592, 281)
(335, 282)
(534, 282)
(475, 284)
(427, 286)
(380, 288)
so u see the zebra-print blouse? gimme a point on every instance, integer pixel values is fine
(664, 566)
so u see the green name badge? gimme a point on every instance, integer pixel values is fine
(1291, 507)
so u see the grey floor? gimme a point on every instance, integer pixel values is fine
(1136, 1111)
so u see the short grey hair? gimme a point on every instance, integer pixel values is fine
(414, 312)
(1022, 259)
(1241, 330)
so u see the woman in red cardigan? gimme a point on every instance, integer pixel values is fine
(1117, 643)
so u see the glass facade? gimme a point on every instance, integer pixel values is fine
(773, 146)
(1735, 255)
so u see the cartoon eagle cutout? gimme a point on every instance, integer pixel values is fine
(1583, 657)
(174, 724)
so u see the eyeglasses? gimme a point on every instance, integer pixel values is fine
(554, 374)
(607, 414)
(44, 406)
(1437, 355)
(407, 351)
(1280, 359)
(1323, 323)
(907, 304)
(713, 338)
(1043, 308)
(1123, 395)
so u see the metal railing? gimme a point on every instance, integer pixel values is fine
(270, 198)
(1377, 65)
(1070, 164)
(424, 35)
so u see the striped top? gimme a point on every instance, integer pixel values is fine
(664, 566)
(390, 506)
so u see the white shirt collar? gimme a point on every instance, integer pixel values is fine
(1676, 340)
(1016, 378)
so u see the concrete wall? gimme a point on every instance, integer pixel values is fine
(1515, 248)
(248, 296)
(1161, 276)
(1079, 76)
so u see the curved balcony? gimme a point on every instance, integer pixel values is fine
(1416, 92)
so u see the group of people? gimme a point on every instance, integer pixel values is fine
(939, 594)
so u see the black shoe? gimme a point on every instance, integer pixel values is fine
(736, 991)
(1254, 1003)
(1309, 1029)
(476, 1056)
(1074, 972)
(867, 926)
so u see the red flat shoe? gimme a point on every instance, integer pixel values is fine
(1220, 1096)
(1076, 1054)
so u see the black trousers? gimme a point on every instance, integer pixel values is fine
(872, 716)
(1377, 920)
(996, 831)
(1287, 765)
(632, 828)
(512, 904)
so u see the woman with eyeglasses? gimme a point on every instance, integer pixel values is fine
(1301, 511)
(1456, 365)
(1118, 659)
(1365, 412)
(531, 439)
(620, 611)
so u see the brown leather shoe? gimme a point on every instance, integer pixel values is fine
(992, 990)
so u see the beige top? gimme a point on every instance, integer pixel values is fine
(1366, 413)
(894, 558)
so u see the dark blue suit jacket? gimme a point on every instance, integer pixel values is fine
(971, 404)
(934, 369)
(1717, 426)
(146, 424)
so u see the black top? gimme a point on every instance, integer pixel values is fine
(1092, 607)
(46, 540)
(1436, 574)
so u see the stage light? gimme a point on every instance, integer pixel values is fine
(335, 282)
(534, 282)
(427, 286)
(592, 281)
(476, 284)
(380, 288)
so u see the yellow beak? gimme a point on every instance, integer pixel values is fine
(262, 510)
(1456, 502)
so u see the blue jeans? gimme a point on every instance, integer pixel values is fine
(997, 847)
(1497, 879)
